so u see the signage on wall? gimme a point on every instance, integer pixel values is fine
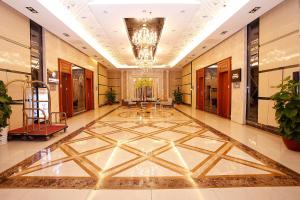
(52, 77)
(236, 75)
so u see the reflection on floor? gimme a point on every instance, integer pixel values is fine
(136, 149)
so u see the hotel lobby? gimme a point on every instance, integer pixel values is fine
(150, 99)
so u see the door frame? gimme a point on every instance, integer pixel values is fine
(65, 67)
(224, 66)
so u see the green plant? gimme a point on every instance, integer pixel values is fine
(287, 106)
(177, 96)
(110, 96)
(5, 109)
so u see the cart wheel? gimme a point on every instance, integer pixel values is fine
(24, 138)
(9, 137)
(30, 138)
(65, 129)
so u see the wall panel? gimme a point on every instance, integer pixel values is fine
(114, 82)
(55, 48)
(14, 56)
(186, 84)
(102, 84)
(234, 47)
(175, 81)
(279, 48)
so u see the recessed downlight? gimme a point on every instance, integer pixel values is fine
(223, 32)
(66, 34)
(31, 9)
(254, 9)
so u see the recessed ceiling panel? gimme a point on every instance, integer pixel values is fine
(133, 25)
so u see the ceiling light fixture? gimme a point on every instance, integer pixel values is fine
(145, 40)
(231, 8)
(223, 32)
(254, 10)
(66, 34)
(31, 9)
(144, 37)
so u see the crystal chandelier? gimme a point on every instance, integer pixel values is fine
(145, 42)
(144, 38)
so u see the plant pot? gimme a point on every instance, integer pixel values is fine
(3, 135)
(291, 144)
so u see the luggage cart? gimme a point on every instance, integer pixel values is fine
(38, 120)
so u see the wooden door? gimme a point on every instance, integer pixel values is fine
(89, 90)
(65, 87)
(66, 96)
(224, 88)
(200, 89)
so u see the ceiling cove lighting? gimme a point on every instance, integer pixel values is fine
(64, 15)
(213, 25)
(139, 2)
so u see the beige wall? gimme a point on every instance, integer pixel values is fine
(55, 48)
(234, 47)
(114, 82)
(175, 81)
(279, 47)
(186, 85)
(14, 55)
(102, 84)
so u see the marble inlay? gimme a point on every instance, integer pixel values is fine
(163, 149)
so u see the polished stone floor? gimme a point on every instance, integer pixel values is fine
(153, 154)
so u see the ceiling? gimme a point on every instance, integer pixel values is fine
(97, 27)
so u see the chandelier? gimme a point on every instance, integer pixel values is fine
(144, 38)
(145, 41)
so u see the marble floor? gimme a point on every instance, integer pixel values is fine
(152, 154)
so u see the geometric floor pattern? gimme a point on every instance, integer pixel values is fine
(138, 149)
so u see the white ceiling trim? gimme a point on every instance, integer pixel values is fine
(57, 9)
(212, 26)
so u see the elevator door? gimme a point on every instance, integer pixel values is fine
(224, 88)
(200, 89)
(224, 97)
(66, 94)
(89, 94)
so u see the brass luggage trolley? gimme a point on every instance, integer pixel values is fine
(38, 120)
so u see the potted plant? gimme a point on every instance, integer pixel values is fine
(110, 96)
(5, 112)
(177, 96)
(287, 106)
